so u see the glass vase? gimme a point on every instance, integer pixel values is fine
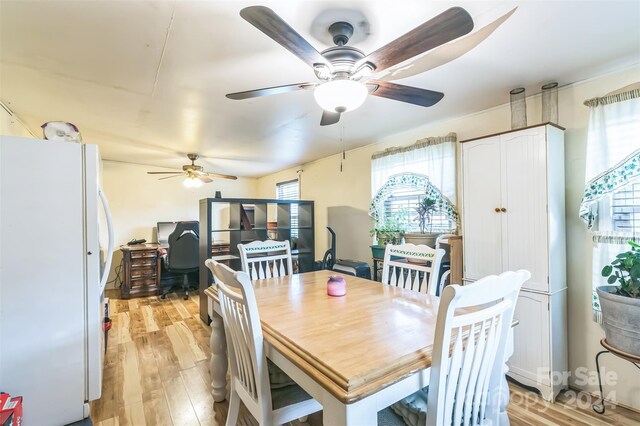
(550, 103)
(518, 108)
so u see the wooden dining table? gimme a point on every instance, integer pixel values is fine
(355, 354)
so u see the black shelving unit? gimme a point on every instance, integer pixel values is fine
(249, 221)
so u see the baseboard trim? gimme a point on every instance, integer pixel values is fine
(597, 398)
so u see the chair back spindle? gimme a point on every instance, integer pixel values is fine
(410, 266)
(266, 259)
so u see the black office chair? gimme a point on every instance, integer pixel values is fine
(183, 257)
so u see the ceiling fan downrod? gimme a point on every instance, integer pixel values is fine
(341, 32)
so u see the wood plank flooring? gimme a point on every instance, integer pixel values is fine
(156, 373)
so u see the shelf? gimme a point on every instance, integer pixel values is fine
(269, 219)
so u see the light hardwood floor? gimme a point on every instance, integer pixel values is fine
(156, 373)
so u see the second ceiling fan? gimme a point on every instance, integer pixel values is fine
(346, 74)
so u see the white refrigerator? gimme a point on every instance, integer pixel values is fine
(51, 277)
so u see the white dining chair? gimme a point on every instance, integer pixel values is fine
(250, 381)
(410, 266)
(440, 241)
(266, 259)
(469, 348)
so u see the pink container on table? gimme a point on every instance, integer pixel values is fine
(336, 286)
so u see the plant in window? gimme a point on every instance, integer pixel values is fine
(620, 304)
(425, 210)
(391, 229)
(625, 269)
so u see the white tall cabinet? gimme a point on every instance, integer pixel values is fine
(513, 218)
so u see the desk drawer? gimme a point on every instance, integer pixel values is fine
(138, 254)
(143, 282)
(143, 272)
(144, 262)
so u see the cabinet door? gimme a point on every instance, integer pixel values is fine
(524, 196)
(481, 196)
(530, 362)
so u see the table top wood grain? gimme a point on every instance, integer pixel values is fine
(352, 345)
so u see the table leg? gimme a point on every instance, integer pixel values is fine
(359, 413)
(218, 363)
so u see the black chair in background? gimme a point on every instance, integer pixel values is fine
(183, 257)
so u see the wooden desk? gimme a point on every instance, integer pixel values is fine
(355, 354)
(141, 269)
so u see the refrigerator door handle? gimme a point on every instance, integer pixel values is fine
(110, 244)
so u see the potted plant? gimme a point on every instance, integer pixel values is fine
(388, 232)
(425, 210)
(621, 303)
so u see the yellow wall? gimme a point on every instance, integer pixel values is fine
(330, 189)
(10, 125)
(138, 200)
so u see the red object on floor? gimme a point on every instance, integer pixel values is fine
(10, 410)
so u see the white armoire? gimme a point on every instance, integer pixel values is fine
(513, 217)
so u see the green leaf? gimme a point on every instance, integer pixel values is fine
(632, 244)
(612, 279)
(621, 255)
(606, 271)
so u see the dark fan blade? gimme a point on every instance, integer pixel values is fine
(273, 26)
(270, 91)
(447, 26)
(169, 177)
(399, 92)
(329, 118)
(445, 53)
(216, 175)
(162, 173)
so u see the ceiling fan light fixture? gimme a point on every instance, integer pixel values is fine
(340, 95)
(192, 182)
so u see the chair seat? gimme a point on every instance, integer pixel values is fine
(412, 410)
(288, 395)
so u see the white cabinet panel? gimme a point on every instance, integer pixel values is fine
(530, 362)
(524, 196)
(482, 224)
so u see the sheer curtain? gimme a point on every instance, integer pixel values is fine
(613, 163)
(434, 157)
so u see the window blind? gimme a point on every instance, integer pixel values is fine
(625, 209)
(290, 190)
(403, 203)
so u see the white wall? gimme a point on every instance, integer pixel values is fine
(138, 200)
(329, 188)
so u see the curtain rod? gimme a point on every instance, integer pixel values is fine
(420, 143)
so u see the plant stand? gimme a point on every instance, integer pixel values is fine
(635, 360)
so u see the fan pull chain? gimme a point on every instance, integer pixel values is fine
(342, 143)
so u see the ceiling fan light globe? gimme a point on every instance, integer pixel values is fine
(190, 182)
(340, 95)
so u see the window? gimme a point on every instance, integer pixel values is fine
(290, 190)
(625, 209)
(401, 177)
(403, 202)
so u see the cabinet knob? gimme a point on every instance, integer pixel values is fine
(503, 210)
(497, 209)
